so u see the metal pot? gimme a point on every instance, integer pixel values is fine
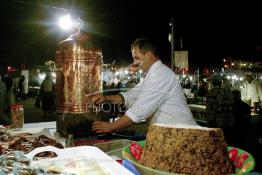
(79, 72)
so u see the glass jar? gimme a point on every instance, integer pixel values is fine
(17, 116)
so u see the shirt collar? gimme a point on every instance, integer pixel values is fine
(152, 67)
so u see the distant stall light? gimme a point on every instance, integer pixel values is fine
(228, 77)
(10, 69)
(241, 78)
(140, 71)
(232, 64)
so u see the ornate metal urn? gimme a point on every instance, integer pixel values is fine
(78, 76)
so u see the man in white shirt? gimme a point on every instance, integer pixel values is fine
(159, 96)
(251, 91)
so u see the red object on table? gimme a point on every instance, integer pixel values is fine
(136, 150)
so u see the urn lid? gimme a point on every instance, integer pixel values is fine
(82, 41)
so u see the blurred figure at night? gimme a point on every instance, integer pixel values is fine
(47, 95)
(10, 98)
(220, 109)
(251, 92)
(203, 89)
(16, 82)
(116, 85)
(2, 94)
(21, 88)
(226, 83)
(130, 84)
(242, 116)
(3, 118)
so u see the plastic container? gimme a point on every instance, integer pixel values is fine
(113, 148)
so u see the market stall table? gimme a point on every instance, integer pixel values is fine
(49, 126)
(199, 113)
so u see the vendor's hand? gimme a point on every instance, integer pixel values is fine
(98, 99)
(102, 127)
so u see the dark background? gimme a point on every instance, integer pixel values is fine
(209, 31)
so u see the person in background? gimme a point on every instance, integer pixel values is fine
(3, 119)
(21, 88)
(226, 83)
(220, 108)
(159, 97)
(47, 95)
(203, 89)
(251, 92)
(16, 82)
(130, 84)
(242, 116)
(10, 98)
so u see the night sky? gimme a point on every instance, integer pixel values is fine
(209, 32)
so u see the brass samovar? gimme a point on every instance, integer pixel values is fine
(78, 77)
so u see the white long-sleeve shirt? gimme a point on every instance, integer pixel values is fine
(160, 95)
(251, 91)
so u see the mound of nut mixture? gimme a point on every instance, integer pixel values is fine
(186, 150)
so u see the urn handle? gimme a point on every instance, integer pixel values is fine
(52, 66)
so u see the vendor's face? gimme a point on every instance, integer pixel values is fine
(143, 61)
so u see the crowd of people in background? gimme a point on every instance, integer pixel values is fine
(13, 88)
(250, 88)
(8, 96)
(230, 106)
(245, 96)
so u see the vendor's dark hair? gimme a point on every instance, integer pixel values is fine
(146, 44)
